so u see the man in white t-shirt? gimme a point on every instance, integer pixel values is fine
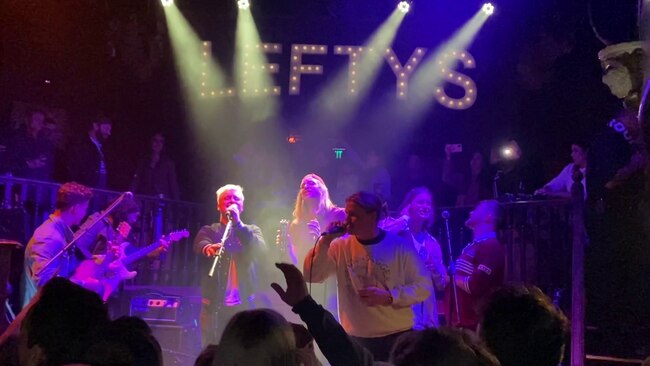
(379, 275)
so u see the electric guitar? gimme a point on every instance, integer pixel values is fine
(110, 269)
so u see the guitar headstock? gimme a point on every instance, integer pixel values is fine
(177, 235)
(123, 229)
(284, 233)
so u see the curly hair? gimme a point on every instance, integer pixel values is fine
(70, 194)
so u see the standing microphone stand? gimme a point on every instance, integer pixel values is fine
(452, 267)
(225, 235)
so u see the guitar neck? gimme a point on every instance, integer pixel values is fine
(140, 253)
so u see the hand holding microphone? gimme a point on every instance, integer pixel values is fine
(334, 230)
(232, 213)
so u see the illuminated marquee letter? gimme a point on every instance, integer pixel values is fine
(297, 68)
(207, 51)
(355, 52)
(249, 68)
(403, 73)
(458, 79)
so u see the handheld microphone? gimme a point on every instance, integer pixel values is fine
(335, 230)
(228, 211)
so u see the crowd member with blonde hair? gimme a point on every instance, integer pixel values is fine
(235, 282)
(259, 337)
(314, 211)
(416, 217)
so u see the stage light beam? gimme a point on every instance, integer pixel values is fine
(404, 6)
(167, 3)
(252, 78)
(339, 100)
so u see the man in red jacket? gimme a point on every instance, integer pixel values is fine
(480, 267)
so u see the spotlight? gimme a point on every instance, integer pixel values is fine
(404, 6)
(488, 8)
(167, 3)
(243, 4)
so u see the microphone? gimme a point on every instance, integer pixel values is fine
(228, 211)
(445, 215)
(335, 230)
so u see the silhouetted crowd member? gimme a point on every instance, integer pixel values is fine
(31, 153)
(66, 324)
(156, 173)
(86, 157)
(57, 329)
(257, 337)
(9, 352)
(206, 358)
(445, 346)
(305, 345)
(521, 326)
(126, 341)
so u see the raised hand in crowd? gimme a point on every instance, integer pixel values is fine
(296, 286)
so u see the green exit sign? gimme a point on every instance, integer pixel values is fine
(338, 152)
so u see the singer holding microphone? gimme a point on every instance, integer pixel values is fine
(379, 275)
(232, 249)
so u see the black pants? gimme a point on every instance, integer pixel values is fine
(380, 347)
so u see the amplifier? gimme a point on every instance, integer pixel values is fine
(156, 307)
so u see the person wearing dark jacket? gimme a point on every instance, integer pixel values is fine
(156, 174)
(87, 163)
(239, 247)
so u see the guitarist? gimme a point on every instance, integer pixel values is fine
(233, 286)
(125, 215)
(52, 236)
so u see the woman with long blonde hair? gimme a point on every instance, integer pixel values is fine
(314, 211)
(413, 225)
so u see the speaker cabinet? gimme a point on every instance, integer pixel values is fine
(180, 344)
